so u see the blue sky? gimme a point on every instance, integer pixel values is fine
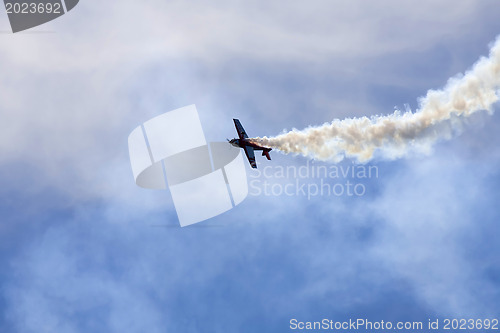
(85, 250)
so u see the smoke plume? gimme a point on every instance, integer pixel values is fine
(396, 134)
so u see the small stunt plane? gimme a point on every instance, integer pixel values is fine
(248, 145)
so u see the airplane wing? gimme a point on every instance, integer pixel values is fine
(251, 156)
(241, 131)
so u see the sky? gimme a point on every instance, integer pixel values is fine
(83, 249)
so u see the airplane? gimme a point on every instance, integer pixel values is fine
(248, 145)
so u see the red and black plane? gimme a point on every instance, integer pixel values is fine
(248, 145)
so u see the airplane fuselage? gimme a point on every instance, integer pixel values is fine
(241, 143)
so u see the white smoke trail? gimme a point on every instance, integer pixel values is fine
(394, 135)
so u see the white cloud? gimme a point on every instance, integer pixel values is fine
(65, 97)
(428, 208)
(69, 99)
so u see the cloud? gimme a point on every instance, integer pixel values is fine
(91, 263)
(429, 212)
(73, 97)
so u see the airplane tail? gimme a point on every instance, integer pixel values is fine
(265, 153)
